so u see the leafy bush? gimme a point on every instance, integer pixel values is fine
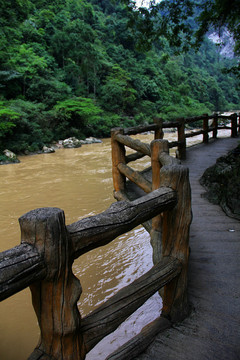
(31, 130)
(76, 116)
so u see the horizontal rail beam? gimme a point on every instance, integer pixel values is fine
(20, 267)
(166, 159)
(197, 118)
(120, 306)
(141, 341)
(135, 177)
(140, 129)
(120, 217)
(171, 124)
(135, 156)
(194, 133)
(174, 144)
(133, 144)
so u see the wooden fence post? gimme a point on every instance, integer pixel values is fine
(118, 156)
(205, 129)
(175, 239)
(159, 131)
(181, 154)
(215, 125)
(54, 298)
(234, 132)
(156, 148)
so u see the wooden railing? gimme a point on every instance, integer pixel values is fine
(169, 231)
(205, 124)
(43, 261)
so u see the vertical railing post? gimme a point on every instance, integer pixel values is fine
(175, 240)
(159, 131)
(181, 154)
(157, 147)
(54, 298)
(234, 132)
(205, 129)
(215, 125)
(238, 116)
(118, 156)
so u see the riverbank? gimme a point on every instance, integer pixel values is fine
(9, 157)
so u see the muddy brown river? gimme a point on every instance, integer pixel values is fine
(79, 181)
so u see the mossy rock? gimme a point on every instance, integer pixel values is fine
(222, 182)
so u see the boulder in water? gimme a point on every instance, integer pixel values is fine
(11, 156)
(48, 150)
(71, 142)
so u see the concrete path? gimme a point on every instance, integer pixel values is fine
(212, 331)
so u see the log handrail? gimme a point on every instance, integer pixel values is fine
(26, 263)
(133, 144)
(113, 312)
(19, 268)
(44, 260)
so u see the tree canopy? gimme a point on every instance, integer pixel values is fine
(186, 22)
(77, 67)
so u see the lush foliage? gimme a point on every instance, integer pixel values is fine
(76, 68)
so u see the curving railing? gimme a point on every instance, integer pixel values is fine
(43, 261)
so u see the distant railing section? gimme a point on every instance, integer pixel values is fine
(210, 123)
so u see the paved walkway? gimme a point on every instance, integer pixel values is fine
(212, 331)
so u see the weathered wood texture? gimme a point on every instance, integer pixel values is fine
(133, 157)
(159, 130)
(123, 196)
(175, 239)
(234, 125)
(155, 233)
(141, 341)
(193, 133)
(134, 144)
(140, 129)
(94, 231)
(118, 156)
(135, 177)
(107, 317)
(181, 154)
(205, 129)
(159, 157)
(54, 298)
(20, 267)
(215, 125)
(196, 118)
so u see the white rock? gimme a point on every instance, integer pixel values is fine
(71, 142)
(10, 154)
(48, 150)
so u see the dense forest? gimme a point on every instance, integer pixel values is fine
(75, 68)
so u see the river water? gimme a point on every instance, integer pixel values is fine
(79, 181)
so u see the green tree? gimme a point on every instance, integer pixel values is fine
(8, 118)
(117, 92)
(76, 115)
(27, 63)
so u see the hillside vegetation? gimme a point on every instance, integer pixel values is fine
(72, 68)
